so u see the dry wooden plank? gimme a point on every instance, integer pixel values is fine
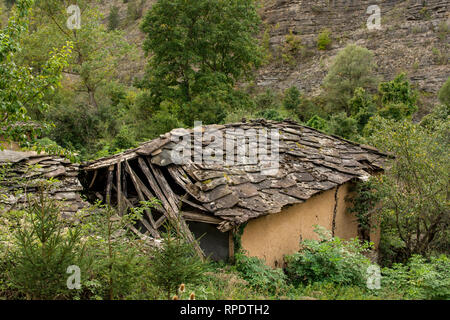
(154, 185)
(231, 245)
(119, 187)
(147, 149)
(199, 217)
(171, 197)
(160, 221)
(108, 184)
(93, 179)
(169, 203)
(102, 163)
(137, 186)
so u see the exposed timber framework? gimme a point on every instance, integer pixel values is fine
(222, 194)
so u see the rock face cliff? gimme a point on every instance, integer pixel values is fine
(414, 38)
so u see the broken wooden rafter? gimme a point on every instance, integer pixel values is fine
(137, 186)
(199, 217)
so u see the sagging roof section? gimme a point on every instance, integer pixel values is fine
(187, 172)
(26, 170)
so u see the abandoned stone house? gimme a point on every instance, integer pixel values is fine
(270, 182)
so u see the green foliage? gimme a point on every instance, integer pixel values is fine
(199, 50)
(293, 49)
(329, 259)
(291, 100)
(414, 191)
(363, 206)
(419, 278)
(318, 123)
(113, 18)
(117, 260)
(444, 93)
(21, 88)
(258, 274)
(324, 40)
(343, 126)
(174, 263)
(398, 99)
(352, 68)
(44, 248)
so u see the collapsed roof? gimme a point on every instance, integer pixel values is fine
(229, 174)
(25, 171)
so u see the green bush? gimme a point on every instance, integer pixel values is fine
(113, 18)
(419, 278)
(329, 259)
(43, 250)
(258, 274)
(318, 123)
(174, 263)
(444, 93)
(353, 67)
(324, 40)
(343, 126)
(292, 99)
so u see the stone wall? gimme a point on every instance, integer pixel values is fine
(24, 172)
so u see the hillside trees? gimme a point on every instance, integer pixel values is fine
(353, 67)
(199, 50)
(415, 188)
(23, 88)
(81, 110)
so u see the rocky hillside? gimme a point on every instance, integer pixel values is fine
(414, 38)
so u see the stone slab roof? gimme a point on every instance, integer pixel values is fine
(310, 162)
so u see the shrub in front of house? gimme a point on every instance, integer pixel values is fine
(259, 275)
(329, 259)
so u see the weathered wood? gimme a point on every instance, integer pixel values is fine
(152, 146)
(171, 207)
(128, 204)
(137, 186)
(154, 185)
(160, 221)
(93, 179)
(119, 187)
(108, 184)
(199, 217)
(171, 197)
(231, 245)
(102, 163)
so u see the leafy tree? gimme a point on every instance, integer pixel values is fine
(353, 67)
(292, 99)
(23, 88)
(113, 18)
(362, 108)
(199, 45)
(398, 99)
(444, 93)
(318, 123)
(324, 40)
(343, 126)
(414, 190)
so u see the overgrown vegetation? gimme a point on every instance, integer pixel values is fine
(65, 92)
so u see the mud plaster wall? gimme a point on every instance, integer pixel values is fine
(273, 236)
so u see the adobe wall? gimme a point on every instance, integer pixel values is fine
(273, 236)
